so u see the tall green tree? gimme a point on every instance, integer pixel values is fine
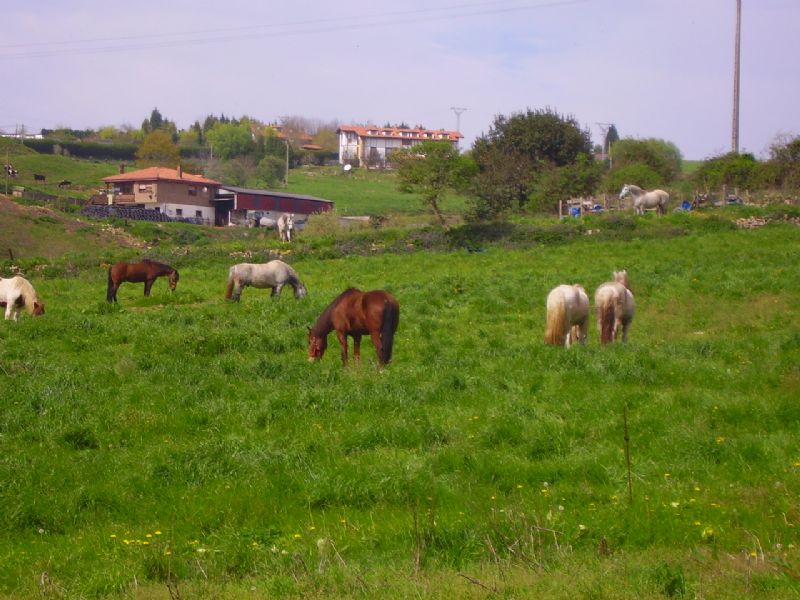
(519, 148)
(660, 155)
(231, 140)
(431, 169)
(158, 149)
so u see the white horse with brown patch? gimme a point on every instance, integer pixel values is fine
(16, 293)
(567, 315)
(615, 305)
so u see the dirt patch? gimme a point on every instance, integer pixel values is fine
(28, 231)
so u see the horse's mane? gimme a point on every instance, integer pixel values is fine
(157, 264)
(323, 324)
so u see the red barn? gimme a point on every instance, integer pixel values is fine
(240, 206)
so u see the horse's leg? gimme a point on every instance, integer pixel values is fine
(276, 289)
(376, 341)
(583, 330)
(147, 285)
(343, 343)
(10, 308)
(357, 348)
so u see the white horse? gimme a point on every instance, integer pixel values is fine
(16, 293)
(641, 199)
(567, 315)
(283, 224)
(286, 226)
(615, 305)
(274, 274)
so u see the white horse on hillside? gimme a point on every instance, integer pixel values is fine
(274, 274)
(615, 305)
(567, 315)
(17, 292)
(642, 199)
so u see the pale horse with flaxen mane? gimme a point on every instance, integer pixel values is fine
(567, 315)
(614, 303)
(642, 199)
(17, 292)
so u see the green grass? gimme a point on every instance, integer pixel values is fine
(181, 439)
(364, 192)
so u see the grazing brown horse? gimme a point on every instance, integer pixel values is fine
(144, 271)
(356, 313)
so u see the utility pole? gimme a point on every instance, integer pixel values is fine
(458, 110)
(735, 128)
(286, 176)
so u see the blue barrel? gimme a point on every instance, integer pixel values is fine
(575, 211)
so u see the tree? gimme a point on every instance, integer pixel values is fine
(731, 169)
(431, 169)
(562, 183)
(660, 155)
(516, 149)
(784, 162)
(157, 148)
(230, 140)
(638, 174)
(611, 138)
(270, 171)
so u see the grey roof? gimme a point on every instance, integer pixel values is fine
(257, 192)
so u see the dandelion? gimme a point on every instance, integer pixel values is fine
(297, 536)
(519, 486)
(168, 552)
(149, 535)
(157, 532)
(582, 527)
(202, 550)
(312, 528)
(707, 533)
(753, 553)
(697, 523)
(493, 498)
(667, 475)
(145, 543)
(674, 504)
(721, 440)
(113, 535)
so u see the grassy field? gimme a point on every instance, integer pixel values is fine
(182, 445)
(364, 192)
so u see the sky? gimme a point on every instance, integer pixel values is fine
(654, 68)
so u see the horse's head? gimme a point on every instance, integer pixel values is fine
(300, 291)
(38, 308)
(626, 189)
(622, 277)
(316, 346)
(173, 280)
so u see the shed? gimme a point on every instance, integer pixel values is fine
(240, 206)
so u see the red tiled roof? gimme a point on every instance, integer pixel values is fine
(159, 174)
(402, 133)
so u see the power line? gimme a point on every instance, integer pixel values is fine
(191, 38)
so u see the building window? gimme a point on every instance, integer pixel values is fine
(198, 213)
(179, 212)
(158, 209)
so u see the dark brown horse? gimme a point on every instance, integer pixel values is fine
(356, 313)
(144, 271)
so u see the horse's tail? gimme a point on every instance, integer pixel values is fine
(229, 289)
(607, 317)
(110, 289)
(556, 321)
(391, 316)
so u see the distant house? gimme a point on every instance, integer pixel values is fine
(243, 206)
(372, 146)
(169, 191)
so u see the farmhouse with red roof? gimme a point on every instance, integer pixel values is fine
(170, 191)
